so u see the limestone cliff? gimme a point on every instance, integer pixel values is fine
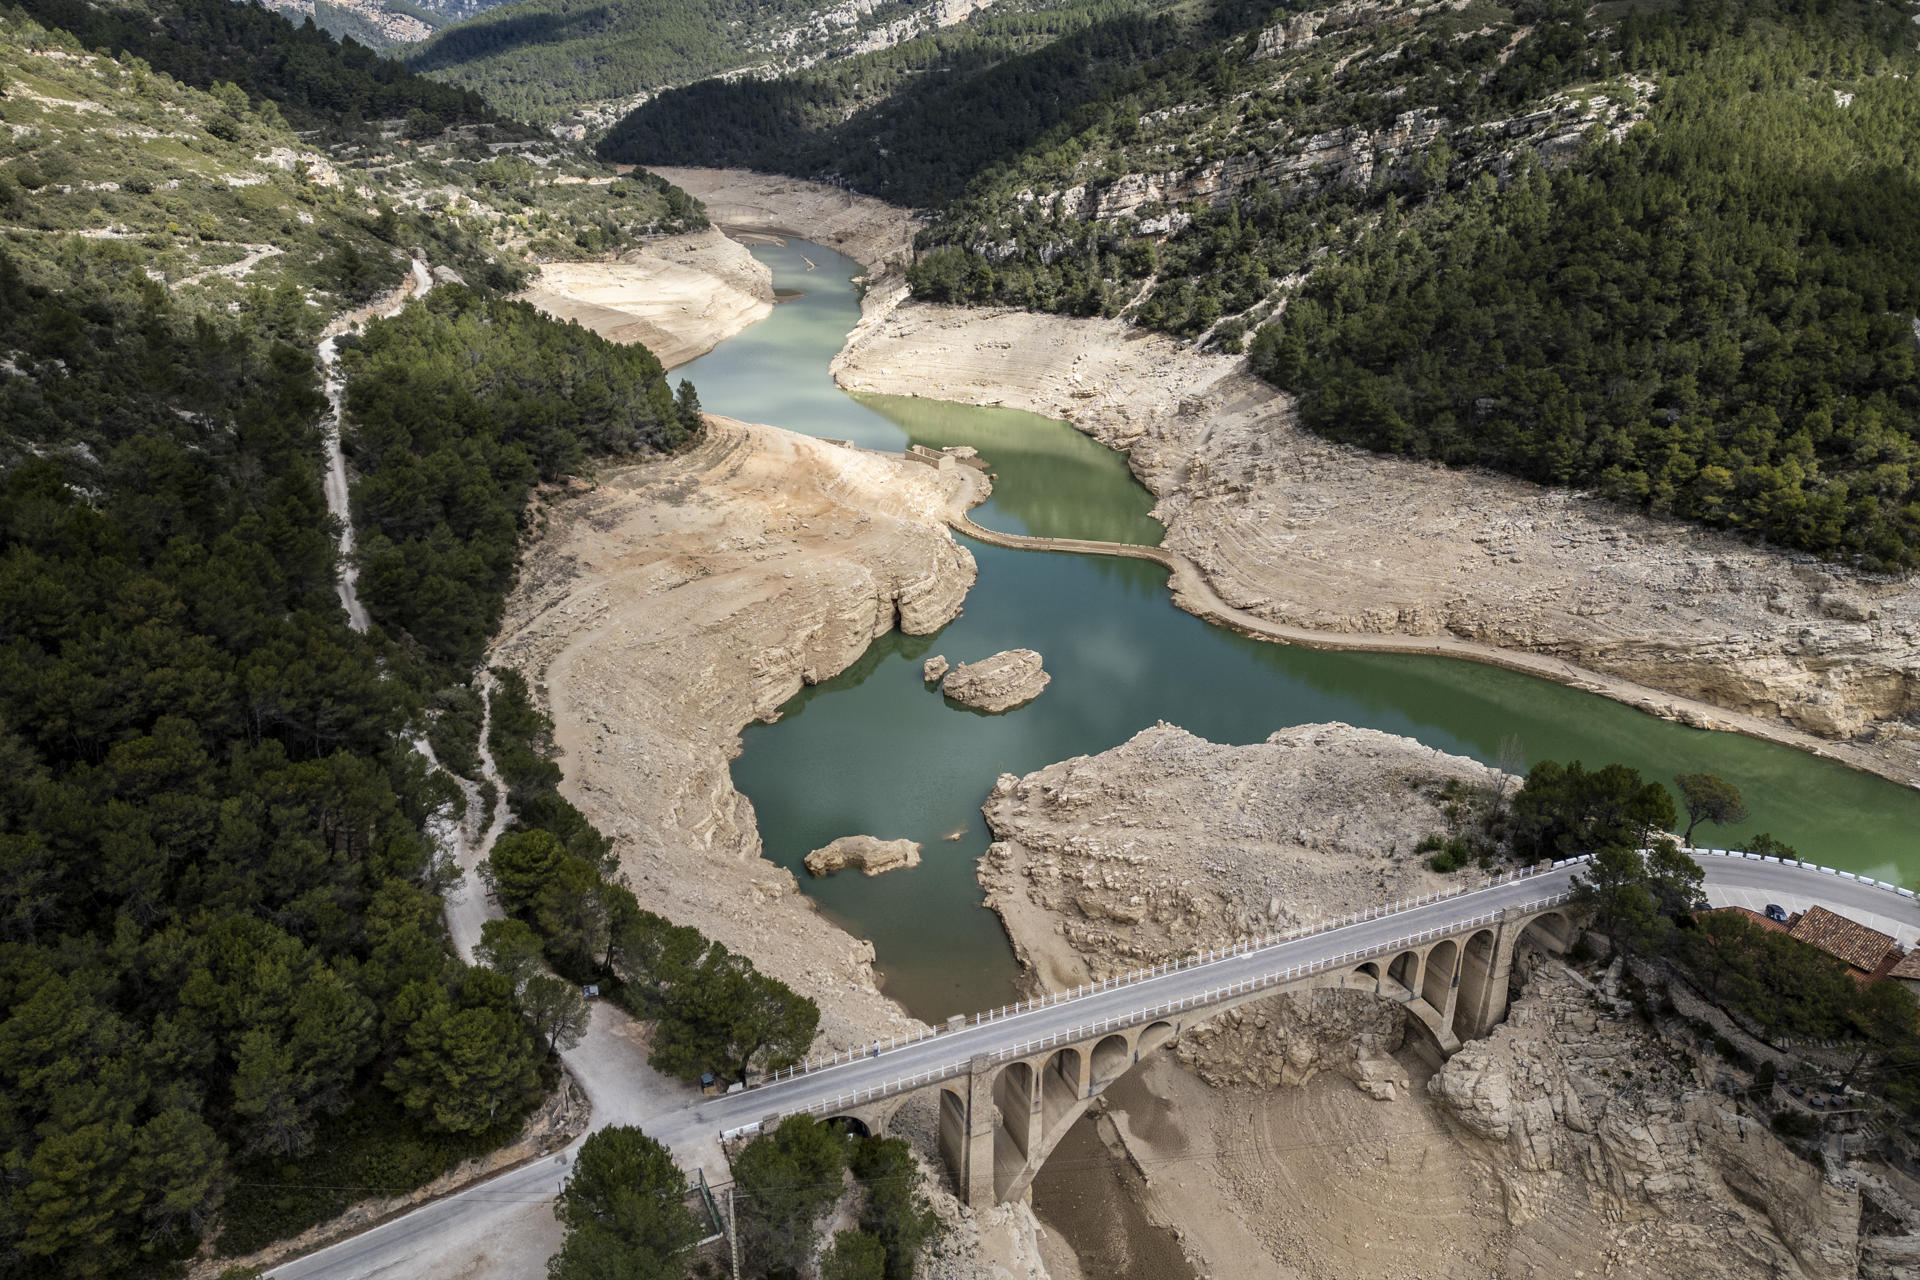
(1574, 1106)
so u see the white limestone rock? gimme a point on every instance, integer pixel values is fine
(1007, 680)
(873, 856)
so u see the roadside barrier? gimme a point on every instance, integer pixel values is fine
(1211, 996)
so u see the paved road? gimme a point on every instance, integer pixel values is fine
(405, 1246)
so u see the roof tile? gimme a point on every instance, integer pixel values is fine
(1859, 946)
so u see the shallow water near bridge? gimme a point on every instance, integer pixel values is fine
(875, 752)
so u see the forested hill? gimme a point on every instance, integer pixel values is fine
(914, 123)
(228, 1003)
(313, 80)
(1664, 252)
(546, 59)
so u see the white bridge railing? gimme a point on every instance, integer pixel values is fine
(1276, 977)
(1210, 956)
(1806, 866)
(1104, 1026)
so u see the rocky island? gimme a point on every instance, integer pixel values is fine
(873, 856)
(1006, 680)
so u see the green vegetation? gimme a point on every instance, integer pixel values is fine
(786, 1180)
(212, 192)
(1781, 988)
(1558, 812)
(1709, 798)
(1700, 304)
(1710, 318)
(310, 78)
(624, 1208)
(909, 123)
(456, 408)
(230, 1008)
(221, 936)
(542, 58)
(712, 1010)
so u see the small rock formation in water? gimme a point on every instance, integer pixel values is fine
(933, 668)
(1000, 683)
(871, 855)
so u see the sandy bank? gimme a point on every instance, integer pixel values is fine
(867, 230)
(1352, 549)
(681, 296)
(678, 600)
(1320, 543)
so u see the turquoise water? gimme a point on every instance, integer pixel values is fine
(875, 752)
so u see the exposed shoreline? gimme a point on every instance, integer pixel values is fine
(678, 600)
(681, 296)
(1522, 1155)
(1286, 537)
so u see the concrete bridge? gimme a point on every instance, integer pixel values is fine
(1011, 1081)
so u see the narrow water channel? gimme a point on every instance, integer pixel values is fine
(875, 752)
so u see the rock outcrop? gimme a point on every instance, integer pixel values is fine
(1573, 1102)
(872, 856)
(934, 668)
(1168, 843)
(1007, 680)
(1602, 1150)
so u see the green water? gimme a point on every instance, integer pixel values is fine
(875, 752)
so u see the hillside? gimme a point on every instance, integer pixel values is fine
(552, 60)
(207, 185)
(229, 1006)
(1539, 238)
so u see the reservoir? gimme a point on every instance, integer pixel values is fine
(876, 752)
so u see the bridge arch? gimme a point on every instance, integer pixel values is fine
(852, 1126)
(1063, 1084)
(1152, 1038)
(1442, 969)
(1111, 1057)
(953, 1128)
(1552, 930)
(1475, 982)
(1405, 970)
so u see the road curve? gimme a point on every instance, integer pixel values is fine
(397, 1247)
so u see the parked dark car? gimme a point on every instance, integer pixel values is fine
(1776, 912)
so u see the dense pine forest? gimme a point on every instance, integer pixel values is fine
(914, 123)
(1712, 317)
(230, 1003)
(1656, 252)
